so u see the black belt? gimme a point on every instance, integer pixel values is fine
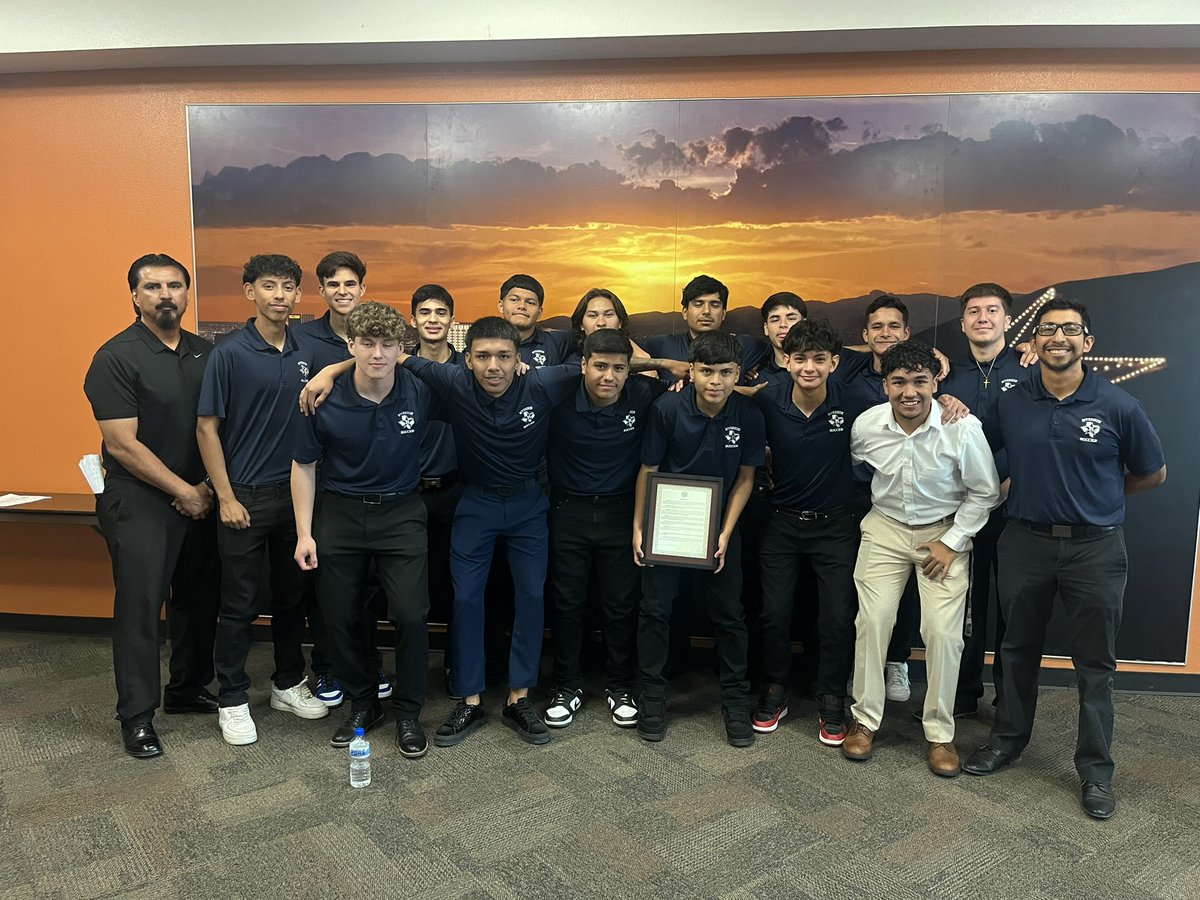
(507, 490)
(439, 482)
(626, 497)
(1066, 531)
(812, 515)
(372, 499)
(943, 521)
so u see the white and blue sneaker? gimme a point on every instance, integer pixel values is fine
(329, 691)
(385, 687)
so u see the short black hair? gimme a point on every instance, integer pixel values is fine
(715, 347)
(783, 298)
(581, 311)
(701, 285)
(886, 301)
(1064, 303)
(492, 328)
(810, 335)
(271, 264)
(155, 259)
(987, 289)
(431, 292)
(525, 283)
(912, 356)
(607, 340)
(340, 259)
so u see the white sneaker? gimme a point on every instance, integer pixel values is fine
(895, 681)
(563, 706)
(623, 708)
(236, 725)
(299, 701)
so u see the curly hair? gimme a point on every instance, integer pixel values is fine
(376, 320)
(913, 356)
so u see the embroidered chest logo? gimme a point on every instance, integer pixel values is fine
(1090, 426)
(527, 416)
(303, 366)
(539, 357)
(837, 420)
(1008, 384)
(406, 420)
(733, 434)
(630, 421)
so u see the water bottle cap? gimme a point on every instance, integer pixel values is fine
(358, 732)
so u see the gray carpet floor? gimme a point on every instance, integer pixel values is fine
(596, 813)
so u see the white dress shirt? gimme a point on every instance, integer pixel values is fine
(937, 471)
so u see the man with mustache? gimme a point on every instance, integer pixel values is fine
(156, 508)
(522, 300)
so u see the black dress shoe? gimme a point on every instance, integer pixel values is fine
(141, 741)
(987, 760)
(200, 702)
(410, 738)
(365, 717)
(1098, 799)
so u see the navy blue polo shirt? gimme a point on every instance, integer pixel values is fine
(545, 348)
(1068, 458)
(324, 346)
(811, 467)
(438, 457)
(134, 375)
(965, 383)
(856, 373)
(367, 447)
(769, 372)
(500, 440)
(682, 439)
(596, 449)
(254, 389)
(679, 346)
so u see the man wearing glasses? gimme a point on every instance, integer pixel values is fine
(1077, 446)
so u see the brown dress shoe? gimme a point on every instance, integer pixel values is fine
(943, 760)
(857, 744)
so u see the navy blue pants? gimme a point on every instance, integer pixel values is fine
(481, 517)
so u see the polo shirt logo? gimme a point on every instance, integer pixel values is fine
(303, 366)
(1090, 426)
(539, 357)
(630, 421)
(407, 420)
(527, 416)
(1008, 384)
(733, 434)
(837, 419)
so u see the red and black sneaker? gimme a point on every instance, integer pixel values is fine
(832, 733)
(772, 707)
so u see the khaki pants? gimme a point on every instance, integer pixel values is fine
(886, 558)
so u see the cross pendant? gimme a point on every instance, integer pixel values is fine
(985, 383)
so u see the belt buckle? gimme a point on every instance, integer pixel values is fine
(809, 515)
(431, 483)
(372, 499)
(1061, 531)
(505, 490)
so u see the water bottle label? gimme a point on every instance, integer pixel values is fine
(365, 753)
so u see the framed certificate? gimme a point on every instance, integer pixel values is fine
(683, 519)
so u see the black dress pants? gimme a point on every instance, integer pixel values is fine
(593, 535)
(984, 574)
(1089, 574)
(350, 534)
(158, 555)
(272, 533)
(440, 503)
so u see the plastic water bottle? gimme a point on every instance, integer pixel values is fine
(360, 760)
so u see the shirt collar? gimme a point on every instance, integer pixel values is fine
(327, 332)
(933, 422)
(259, 343)
(151, 340)
(584, 404)
(1085, 392)
(689, 402)
(352, 397)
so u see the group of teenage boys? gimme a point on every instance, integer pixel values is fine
(875, 469)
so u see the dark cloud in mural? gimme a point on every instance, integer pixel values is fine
(786, 172)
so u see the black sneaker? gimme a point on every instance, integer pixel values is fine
(771, 709)
(463, 719)
(522, 718)
(560, 711)
(623, 708)
(652, 719)
(737, 727)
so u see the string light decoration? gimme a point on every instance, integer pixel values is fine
(1115, 368)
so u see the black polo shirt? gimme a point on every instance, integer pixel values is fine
(545, 348)
(1068, 458)
(811, 467)
(682, 439)
(679, 346)
(862, 385)
(499, 440)
(596, 449)
(134, 375)
(253, 389)
(438, 457)
(367, 447)
(324, 346)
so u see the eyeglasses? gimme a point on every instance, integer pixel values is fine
(1070, 329)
